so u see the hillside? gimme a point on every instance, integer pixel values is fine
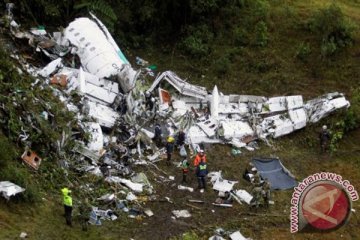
(269, 48)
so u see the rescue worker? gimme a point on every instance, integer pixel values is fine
(200, 156)
(256, 179)
(169, 148)
(149, 101)
(249, 172)
(324, 138)
(185, 169)
(201, 172)
(256, 193)
(266, 192)
(180, 138)
(157, 137)
(85, 210)
(67, 200)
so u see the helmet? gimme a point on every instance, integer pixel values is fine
(170, 139)
(65, 191)
(324, 127)
(201, 151)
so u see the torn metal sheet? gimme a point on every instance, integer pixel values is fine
(148, 212)
(137, 187)
(94, 156)
(94, 219)
(322, 106)
(81, 81)
(223, 185)
(105, 214)
(180, 108)
(117, 167)
(181, 213)
(8, 189)
(244, 195)
(107, 197)
(96, 141)
(105, 116)
(298, 118)
(98, 89)
(131, 197)
(180, 85)
(222, 205)
(293, 102)
(51, 67)
(142, 179)
(276, 126)
(96, 171)
(40, 31)
(216, 237)
(196, 135)
(235, 129)
(209, 127)
(190, 189)
(157, 155)
(237, 144)
(275, 104)
(237, 236)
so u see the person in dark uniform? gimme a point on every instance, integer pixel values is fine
(180, 138)
(201, 172)
(169, 149)
(158, 135)
(324, 138)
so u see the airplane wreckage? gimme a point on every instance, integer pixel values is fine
(114, 95)
(119, 109)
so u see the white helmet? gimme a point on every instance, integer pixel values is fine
(324, 127)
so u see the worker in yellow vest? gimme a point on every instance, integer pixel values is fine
(67, 200)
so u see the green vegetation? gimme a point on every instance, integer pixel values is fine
(336, 31)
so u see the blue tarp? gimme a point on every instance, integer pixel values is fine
(272, 169)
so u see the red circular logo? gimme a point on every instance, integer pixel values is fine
(326, 206)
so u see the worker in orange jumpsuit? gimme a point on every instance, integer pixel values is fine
(200, 157)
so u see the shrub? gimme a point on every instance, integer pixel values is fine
(335, 29)
(259, 9)
(352, 117)
(190, 236)
(328, 47)
(261, 32)
(350, 122)
(197, 43)
(222, 65)
(303, 51)
(241, 36)
(6, 153)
